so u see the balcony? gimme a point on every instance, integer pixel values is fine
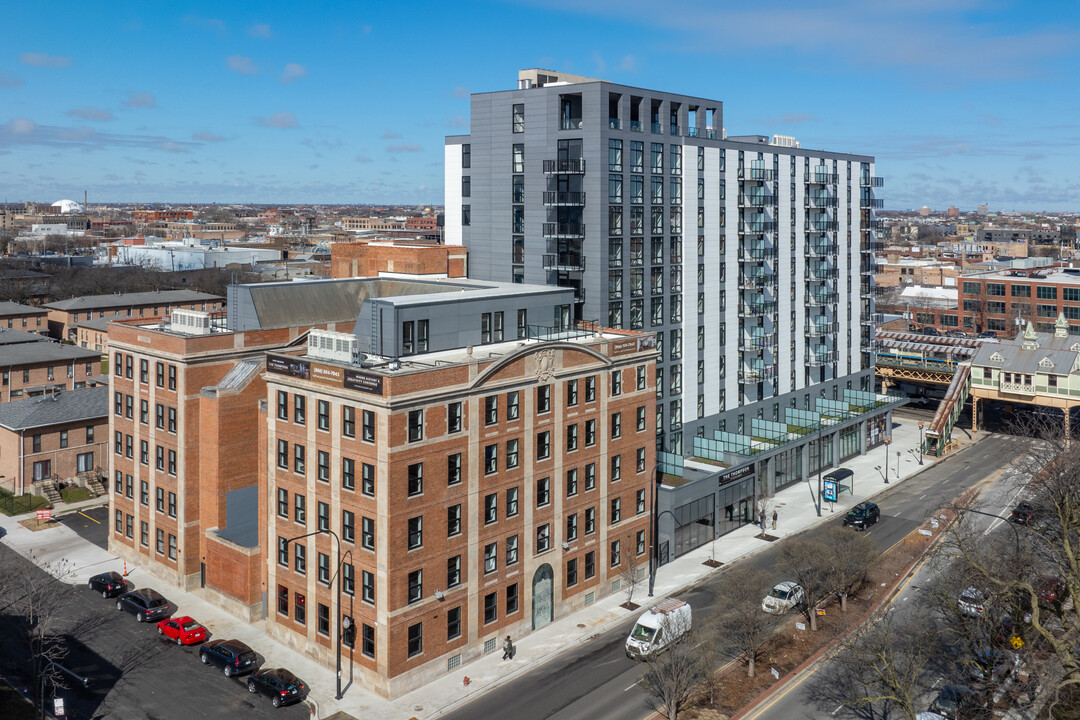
(564, 230)
(820, 357)
(674, 131)
(579, 294)
(874, 225)
(871, 203)
(868, 249)
(820, 272)
(823, 225)
(564, 199)
(821, 329)
(757, 173)
(820, 201)
(564, 167)
(868, 181)
(756, 199)
(756, 227)
(821, 299)
(755, 281)
(868, 268)
(614, 124)
(756, 375)
(821, 249)
(565, 262)
(821, 177)
(635, 126)
(708, 133)
(756, 309)
(757, 254)
(570, 123)
(757, 343)
(657, 128)
(873, 319)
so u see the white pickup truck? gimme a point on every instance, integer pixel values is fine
(665, 624)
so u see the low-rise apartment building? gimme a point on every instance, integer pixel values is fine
(14, 315)
(1006, 301)
(29, 369)
(64, 315)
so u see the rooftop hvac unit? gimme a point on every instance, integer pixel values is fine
(191, 322)
(336, 346)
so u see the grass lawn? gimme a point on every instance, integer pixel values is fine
(19, 505)
(75, 494)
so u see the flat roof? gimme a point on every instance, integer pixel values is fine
(1055, 278)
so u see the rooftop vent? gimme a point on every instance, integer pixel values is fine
(191, 322)
(336, 346)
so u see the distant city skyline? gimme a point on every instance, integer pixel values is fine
(960, 102)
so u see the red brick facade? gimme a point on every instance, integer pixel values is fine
(368, 259)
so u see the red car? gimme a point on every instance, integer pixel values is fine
(184, 630)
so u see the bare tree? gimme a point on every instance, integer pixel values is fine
(672, 676)
(809, 563)
(630, 571)
(852, 554)
(883, 670)
(764, 502)
(738, 620)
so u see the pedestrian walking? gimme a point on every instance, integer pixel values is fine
(773, 519)
(508, 649)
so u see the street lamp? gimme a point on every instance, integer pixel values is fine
(920, 442)
(84, 681)
(886, 461)
(337, 579)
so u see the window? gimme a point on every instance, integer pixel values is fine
(324, 619)
(348, 473)
(590, 564)
(159, 375)
(491, 508)
(571, 527)
(299, 409)
(367, 479)
(453, 571)
(571, 572)
(640, 541)
(159, 538)
(283, 503)
(616, 425)
(512, 550)
(323, 415)
(511, 453)
(416, 425)
(590, 433)
(416, 585)
(641, 418)
(590, 389)
(590, 477)
(348, 421)
(348, 579)
(616, 382)
(367, 587)
(491, 551)
(298, 459)
(511, 599)
(453, 417)
(300, 558)
(416, 479)
(144, 534)
(368, 429)
(491, 607)
(641, 376)
(518, 162)
(571, 393)
(640, 502)
(511, 502)
(590, 521)
(368, 640)
(543, 538)
(571, 437)
(543, 492)
(543, 445)
(323, 466)
(283, 600)
(453, 520)
(348, 526)
(543, 399)
(1044, 292)
(640, 466)
(616, 553)
(616, 510)
(491, 459)
(323, 568)
(453, 623)
(519, 118)
(416, 532)
(172, 504)
(367, 532)
(300, 508)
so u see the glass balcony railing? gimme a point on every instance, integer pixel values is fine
(755, 280)
(614, 124)
(821, 249)
(760, 173)
(870, 181)
(757, 254)
(564, 167)
(756, 309)
(821, 329)
(757, 227)
(758, 343)
(635, 126)
(702, 133)
(558, 199)
(756, 199)
(821, 201)
(657, 128)
(820, 299)
(675, 131)
(756, 375)
(820, 272)
(564, 230)
(873, 319)
(821, 177)
(822, 357)
(565, 261)
(824, 225)
(570, 124)
(871, 203)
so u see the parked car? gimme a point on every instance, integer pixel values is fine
(931, 331)
(232, 656)
(782, 597)
(993, 667)
(972, 602)
(1052, 592)
(988, 334)
(956, 334)
(1022, 514)
(184, 630)
(956, 702)
(109, 584)
(145, 604)
(280, 685)
(659, 628)
(862, 516)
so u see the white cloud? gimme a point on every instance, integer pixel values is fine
(21, 126)
(213, 24)
(241, 64)
(173, 147)
(207, 136)
(36, 59)
(141, 100)
(391, 135)
(628, 64)
(460, 91)
(9, 80)
(259, 30)
(91, 113)
(292, 73)
(363, 159)
(284, 119)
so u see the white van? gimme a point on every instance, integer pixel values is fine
(665, 624)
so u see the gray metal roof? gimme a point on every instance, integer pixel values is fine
(44, 352)
(1063, 352)
(13, 308)
(64, 407)
(15, 337)
(157, 297)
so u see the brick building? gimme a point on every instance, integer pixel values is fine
(422, 224)
(152, 216)
(23, 317)
(368, 259)
(58, 436)
(997, 300)
(94, 334)
(35, 368)
(64, 315)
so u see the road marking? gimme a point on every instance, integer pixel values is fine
(838, 709)
(995, 523)
(632, 686)
(88, 517)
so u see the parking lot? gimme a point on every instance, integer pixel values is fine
(135, 673)
(91, 524)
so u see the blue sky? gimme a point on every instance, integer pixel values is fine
(961, 102)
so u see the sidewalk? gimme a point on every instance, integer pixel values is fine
(794, 506)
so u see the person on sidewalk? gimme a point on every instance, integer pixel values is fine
(762, 520)
(508, 649)
(773, 520)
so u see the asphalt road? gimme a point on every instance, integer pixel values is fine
(794, 703)
(595, 680)
(136, 674)
(91, 524)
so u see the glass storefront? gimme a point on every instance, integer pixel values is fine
(694, 523)
(849, 442)
(788, 467)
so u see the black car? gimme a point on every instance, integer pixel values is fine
(109, 584)
(1022, 514)
(956, 702)
(233, 656)
(988, 334)
(931, 331)
(145, 604)
(280, 685)
(862, 516)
